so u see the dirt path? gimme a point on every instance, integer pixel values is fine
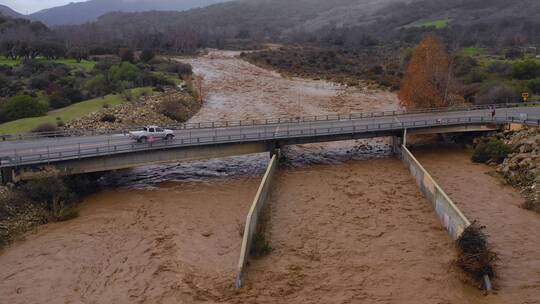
(514, 232)
(359, 232)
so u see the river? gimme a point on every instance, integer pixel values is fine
(342, 230)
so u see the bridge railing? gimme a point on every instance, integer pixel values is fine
(53, 154)
(263, 122)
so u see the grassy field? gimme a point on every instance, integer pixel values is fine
(67, 114)
(472, 51)
(85, 64)
(438, 24)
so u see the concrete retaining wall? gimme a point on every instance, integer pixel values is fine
(449, 214)
(253, 217)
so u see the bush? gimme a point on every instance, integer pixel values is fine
(499, 93)
(108, 118)
(502, 69)
(57, 101)
(174, 109)
(464, 65)
(180, 68)
(124, 72)
(39, 82)
(97, 86)
(21, 107)
(491, 150)
(59, 195)
(527, 69)
(475, 76)
(126, 55)
(51, 194)
(147, 55)
(45, 128)
(534, 85)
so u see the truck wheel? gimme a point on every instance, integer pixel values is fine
(143, 140)
(169, 137)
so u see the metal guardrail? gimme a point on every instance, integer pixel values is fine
(256, 135)
(263, 122)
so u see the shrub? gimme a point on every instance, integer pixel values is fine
(59, 195)
(97, 86)
(57, 101)
(534, 85)
(108, 118)
(124, 72)
(21, 107)
(499, 93)
(39, 82)
(53, 195)
(464, 65)
(475, 76)
(527, 69)
(147, 55)
(491, 150)
(502, 69)
(174, 109)
(45, 128)
(73, 95)
(126, 55)
(180, 68)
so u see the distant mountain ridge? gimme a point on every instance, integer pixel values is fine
(83, 12)
(6, 11)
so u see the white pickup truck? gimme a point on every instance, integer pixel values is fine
(151, 133)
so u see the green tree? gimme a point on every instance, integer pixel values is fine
(21, 107)
(124, 72)
(97, 86)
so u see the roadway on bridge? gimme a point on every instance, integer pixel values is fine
(67, 145)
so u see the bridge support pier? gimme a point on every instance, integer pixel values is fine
(8, 176)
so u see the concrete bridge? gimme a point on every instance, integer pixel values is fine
(24, 157)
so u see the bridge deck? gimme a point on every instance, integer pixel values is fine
(302, 130)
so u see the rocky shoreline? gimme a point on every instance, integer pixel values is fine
(521, 169)
(148, 110)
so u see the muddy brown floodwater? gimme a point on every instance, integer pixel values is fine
(342, 230)
(513, 231)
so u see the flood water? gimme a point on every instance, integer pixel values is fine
(343, 230)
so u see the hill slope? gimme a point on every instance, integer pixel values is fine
(82, 12)
(6, 11)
